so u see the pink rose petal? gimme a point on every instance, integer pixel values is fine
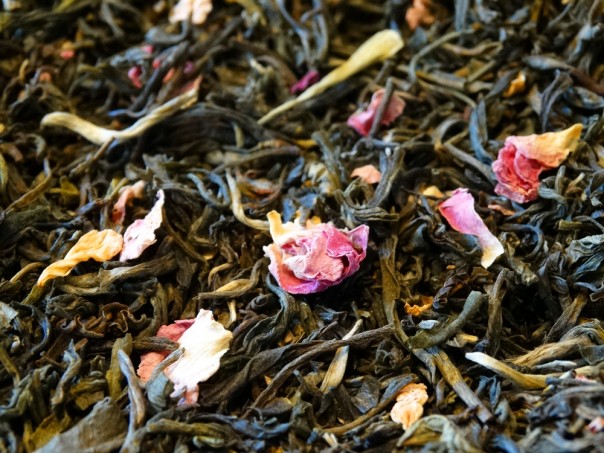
(127, 194)
(523, 159)
(141, 234)
(368, 173)
(310, 259)
(459, 212)
(362, 121)
(308, 79)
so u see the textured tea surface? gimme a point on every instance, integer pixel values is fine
(211, 140)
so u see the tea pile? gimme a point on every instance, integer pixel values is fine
(269, 225)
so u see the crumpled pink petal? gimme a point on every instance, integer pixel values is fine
(310, 259)
(523, 159)
(141, 234)
(204, 342)
(368, 173)
(127, 194)
(308, 79)
(459, 212)
(362, 121)
(150, 360)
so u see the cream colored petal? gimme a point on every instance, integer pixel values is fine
(204, 343)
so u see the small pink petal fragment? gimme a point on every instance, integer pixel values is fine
(141, 234)
(134, 74)
(205, 342)
(368, 173)
(362, 121)
(150, 360)
(308, 79)
(523, 159)
(195, 10)
(127, 194)
(409, 406)
(310, 259)
(419, 14)
(459, 212)
(596, 425)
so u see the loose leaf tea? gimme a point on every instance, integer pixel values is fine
(302, 225)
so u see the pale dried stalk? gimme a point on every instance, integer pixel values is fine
(99, 135)
(384, 44)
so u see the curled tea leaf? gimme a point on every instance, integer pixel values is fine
(97, 245)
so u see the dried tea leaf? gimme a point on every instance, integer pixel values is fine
(103, 430)
(96, 245)
(141, 234)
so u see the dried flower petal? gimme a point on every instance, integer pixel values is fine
(96, 245)
(204, 343)
(150, 360)
(596, 425)
(141, 234)
(409, 406)
(196, 10)
(368, 173)
(127, 194)
(523, 159)
(459, 212)
(516, 86)
(419, 14)
(310, 259)
(308, 79)
(362, 121)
